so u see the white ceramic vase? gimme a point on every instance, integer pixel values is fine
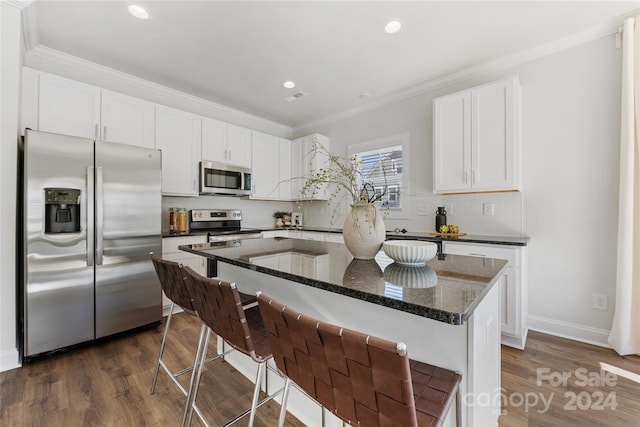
(363, 231)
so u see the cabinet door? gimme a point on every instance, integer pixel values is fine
(178, 135)
(510, 287)
(284, 167)
(214, 140)
(452, 142)
(127, 120)
(265, 169)
(304, 163)
(238, 146)
(493, 137)
(68, 107)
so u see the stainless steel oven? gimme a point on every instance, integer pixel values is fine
(223, 228)
(220, 178)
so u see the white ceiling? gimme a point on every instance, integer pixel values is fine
(239, 53)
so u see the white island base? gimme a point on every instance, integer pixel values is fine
(472, 349)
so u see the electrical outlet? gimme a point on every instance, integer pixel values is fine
(600, 301)
(487, 209)
(421, 210)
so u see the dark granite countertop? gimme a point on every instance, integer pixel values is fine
(393, 235)
(521, 240)
(448, 288)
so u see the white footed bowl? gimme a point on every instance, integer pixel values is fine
(410, 276)
(410, 252)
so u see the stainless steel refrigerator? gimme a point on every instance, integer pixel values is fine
(92, 213)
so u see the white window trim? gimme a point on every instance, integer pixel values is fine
(390, 141)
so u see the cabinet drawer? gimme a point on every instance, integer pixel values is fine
(488, 251)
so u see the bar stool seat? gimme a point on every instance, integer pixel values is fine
(219, 307)
(172, 281)
(361, 379)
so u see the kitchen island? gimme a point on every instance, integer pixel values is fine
(447, 312)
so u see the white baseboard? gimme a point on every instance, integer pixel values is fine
(572, 331)
(9, 359)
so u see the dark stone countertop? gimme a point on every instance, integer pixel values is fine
(392, 235)
(447, 289)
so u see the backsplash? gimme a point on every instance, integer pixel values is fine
(255, 213)
(463, 210)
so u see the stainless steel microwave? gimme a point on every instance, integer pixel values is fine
(223, 179)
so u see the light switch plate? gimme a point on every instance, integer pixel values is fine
(487, 209)
(421, 210)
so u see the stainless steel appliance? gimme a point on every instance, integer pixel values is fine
(223, 226)
(222, 179)
(91, 215)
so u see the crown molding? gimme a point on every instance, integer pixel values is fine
(40, 56)
(595, 33)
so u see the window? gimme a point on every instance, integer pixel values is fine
(382, 169)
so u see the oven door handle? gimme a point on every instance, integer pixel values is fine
(228, 237)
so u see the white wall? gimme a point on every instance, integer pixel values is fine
(570, 113)
(10, 66)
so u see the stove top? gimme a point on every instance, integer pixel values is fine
(221, 224)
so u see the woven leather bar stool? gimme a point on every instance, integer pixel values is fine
(172, 281)
(361, 379)
(219, 307)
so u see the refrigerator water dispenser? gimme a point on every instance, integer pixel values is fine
(62, 210)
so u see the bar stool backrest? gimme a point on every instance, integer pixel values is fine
(361, 379)
(219, 306)
(172, 281)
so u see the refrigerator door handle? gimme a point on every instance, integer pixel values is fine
(90, 217)
(99, 216)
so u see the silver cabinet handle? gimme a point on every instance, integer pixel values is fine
(90, 219)
(99, 217)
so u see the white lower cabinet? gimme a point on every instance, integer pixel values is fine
(513, 299)
(171, 252)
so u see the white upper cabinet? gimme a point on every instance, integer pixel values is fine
(226, 143)
(178, 135)
(304, 163)
(214, 140)
(127, 120)
(271, 167)
(239, 146)
(72, 108)
(68, 107)
(476, 143)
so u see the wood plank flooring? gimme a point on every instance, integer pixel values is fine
(107, 384)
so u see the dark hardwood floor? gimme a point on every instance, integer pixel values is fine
(107, 384)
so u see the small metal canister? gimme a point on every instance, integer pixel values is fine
(182, 221)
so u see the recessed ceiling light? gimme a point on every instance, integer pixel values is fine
(392, 27)
(138, 11)
(288, 84)
(364, 95)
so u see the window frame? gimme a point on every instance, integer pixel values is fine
(387, 142)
